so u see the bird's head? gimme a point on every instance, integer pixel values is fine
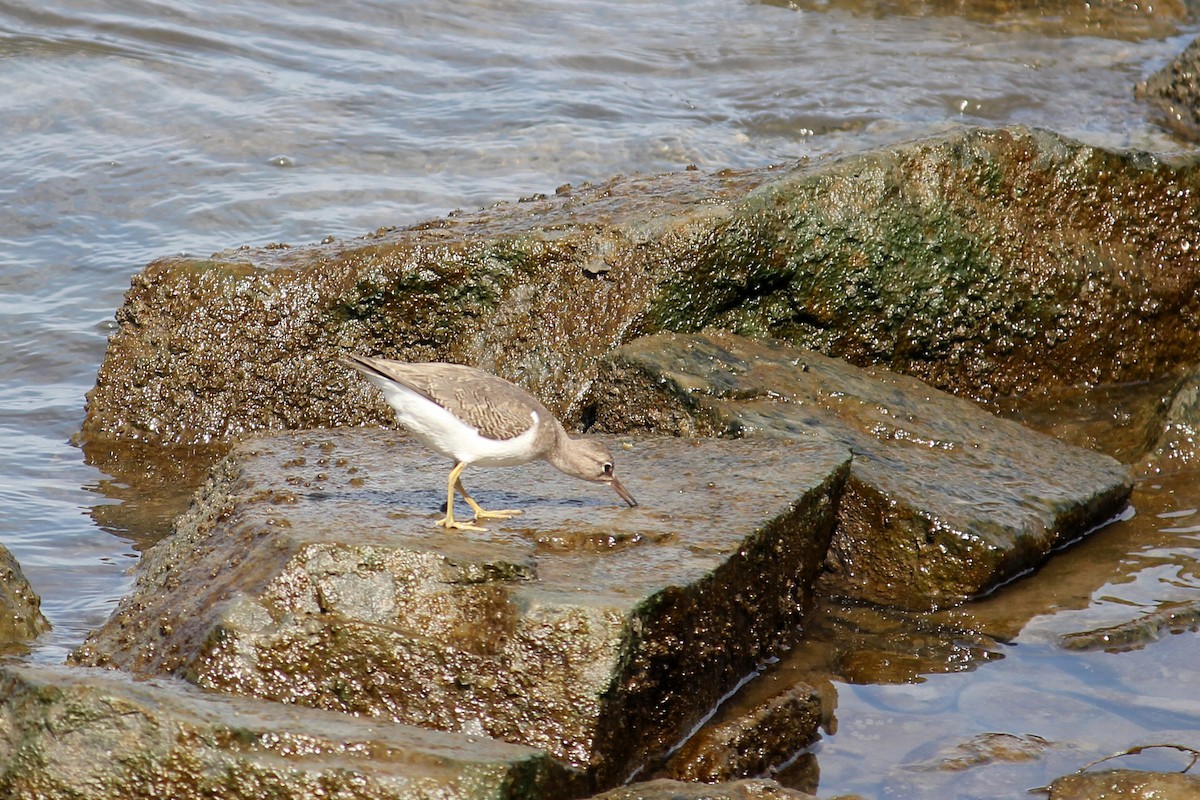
(591, 460)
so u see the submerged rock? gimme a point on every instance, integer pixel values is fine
(980, 749)
(96, 734)
(865, 643)
(1170, 618)
(945, 501)
(21, 616)
(309, 570)
(985, 262)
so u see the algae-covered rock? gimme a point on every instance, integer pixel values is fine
(986, 262)
(210, 349)
(21, 616)
(1174, 91)
(944, 501)
(97, 734)
(309, 570)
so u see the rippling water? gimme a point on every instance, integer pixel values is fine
(131, 130)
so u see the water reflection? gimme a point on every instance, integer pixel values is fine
(146, 487)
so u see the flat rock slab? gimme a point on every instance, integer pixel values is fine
(100, 735)
(309, 570)
(945, 501)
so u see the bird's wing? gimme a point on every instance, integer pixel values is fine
(496, 408)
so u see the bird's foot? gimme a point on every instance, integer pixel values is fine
(451, 524)
(507, 513)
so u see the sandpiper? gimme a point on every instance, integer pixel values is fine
(479, 419)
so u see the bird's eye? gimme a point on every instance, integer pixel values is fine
(608, 469)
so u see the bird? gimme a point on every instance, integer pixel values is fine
(479, 419)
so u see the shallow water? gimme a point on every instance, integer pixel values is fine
(132, 130)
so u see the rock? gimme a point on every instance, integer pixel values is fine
(97, 734)
(1126, 784)
(754, 742)
(917, 257)
(20, 607)
(1174, 92)
(211, 349)
(309, 571)
(665, 789)
(945, 501)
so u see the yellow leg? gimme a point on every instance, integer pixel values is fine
(481, 513)
(448, 522)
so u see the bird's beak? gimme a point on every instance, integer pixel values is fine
(625, 495)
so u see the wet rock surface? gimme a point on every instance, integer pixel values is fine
(210, 349)
(98, 734)
(918, 258)
(20, 607)
(992, 263)
(309, 571)
(1174, 92)
(944, 501)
